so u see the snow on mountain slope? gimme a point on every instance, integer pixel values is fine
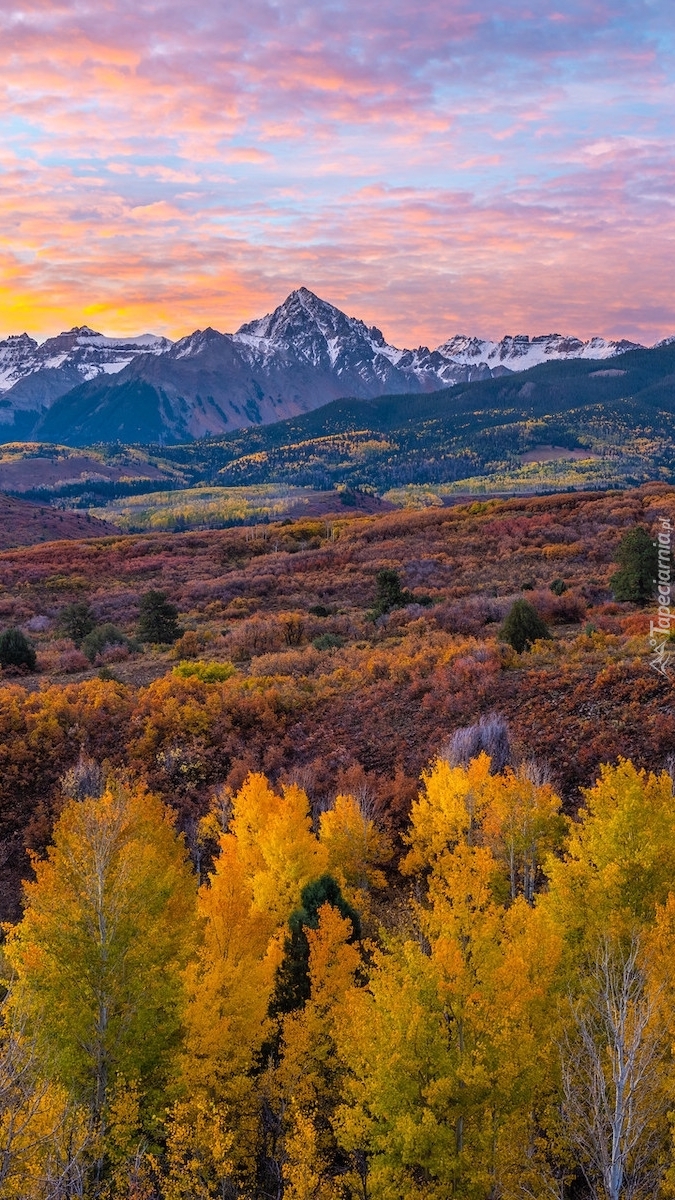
(80, 349)
(306, 326)
(307, 330)
(302, 355)
(521, 352)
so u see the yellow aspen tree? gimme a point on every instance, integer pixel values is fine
(618, 864)
(463, 924)
(99, 954)
(448, 810)
(267, 856)
(229, 982)
(45, 1139)
(228, 987)
(356, 848)
(304, 1170)
(520, 1028)
(130, 1167)
(395, 1123)
(452, 1064)
(516, 817)
(657, 961)
(522, 824)
(275, 844)
(497, 1009)
(615, 1076)
(199, 1164)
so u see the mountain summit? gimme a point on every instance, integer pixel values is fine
(82, 387)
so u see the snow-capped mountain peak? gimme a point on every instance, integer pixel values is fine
(321, 334)
(296, 358)
(197, 342)
(519, 352)
(79, 354)
(309, 327)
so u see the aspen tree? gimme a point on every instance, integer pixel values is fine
(98, 956)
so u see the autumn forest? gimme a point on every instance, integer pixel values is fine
(337, 859)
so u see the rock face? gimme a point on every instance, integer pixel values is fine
(33, 376)
(81, 387)
(520, 352)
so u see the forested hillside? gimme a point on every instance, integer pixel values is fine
(622, 413)
(570, 424)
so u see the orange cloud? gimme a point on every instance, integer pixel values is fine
(462, 164)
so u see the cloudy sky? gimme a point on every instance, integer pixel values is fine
(443, 166)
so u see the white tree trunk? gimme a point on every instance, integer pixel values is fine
(614, 1100)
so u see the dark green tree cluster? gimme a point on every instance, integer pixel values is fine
(158, 624)
(79, 623)
(638, 560)
(158, 620)
(16, 650)
(389, 594)
(522, 626)
(100, 638)
(76, 621)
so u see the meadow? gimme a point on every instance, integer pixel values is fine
(205, 508)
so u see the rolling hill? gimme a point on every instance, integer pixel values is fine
(622, 415)
(575, 423)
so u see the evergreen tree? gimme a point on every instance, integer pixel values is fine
(16, 650)
(389, 593)
(293, 984)
(523, 626)
(101, 637)
(76, 620)
(638, 560)
(159, 619)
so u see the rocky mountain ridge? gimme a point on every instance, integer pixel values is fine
(82, 387)
(80, 349)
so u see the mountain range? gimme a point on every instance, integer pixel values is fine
(81, 387)
(586, 424)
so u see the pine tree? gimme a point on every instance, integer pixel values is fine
(522, 626)
(16, 650)
(158, 620)
(76, 620)
(638, 559)
(389, 593)
(293, 980)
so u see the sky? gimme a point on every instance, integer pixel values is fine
(431, 166)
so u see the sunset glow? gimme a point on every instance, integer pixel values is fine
(450, 166)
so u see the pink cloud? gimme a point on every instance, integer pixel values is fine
(459, 164)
